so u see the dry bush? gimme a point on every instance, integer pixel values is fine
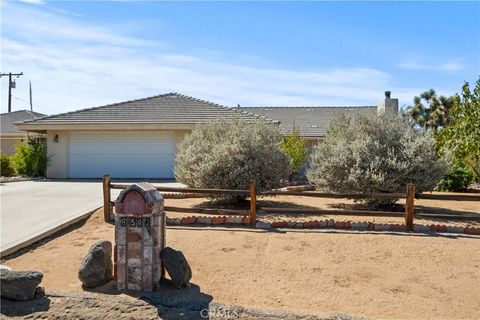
(371, 153)
(228, 154)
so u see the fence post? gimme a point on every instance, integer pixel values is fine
(409, 206)
(253, 204)
(106, 198)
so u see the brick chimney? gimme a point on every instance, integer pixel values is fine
(388, 105)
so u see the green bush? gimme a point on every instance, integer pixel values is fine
(371, 153)
(6, 166)
(31, 158)
(228, 154)
(296, 149)
(458, 178)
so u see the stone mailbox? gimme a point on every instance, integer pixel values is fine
(139, 238)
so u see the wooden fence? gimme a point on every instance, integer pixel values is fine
(408, 214)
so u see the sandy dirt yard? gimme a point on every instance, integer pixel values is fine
(321, 272)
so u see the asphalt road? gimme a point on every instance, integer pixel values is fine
(29, 209)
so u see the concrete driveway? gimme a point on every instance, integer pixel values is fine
(31, 210)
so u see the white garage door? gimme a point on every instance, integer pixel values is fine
(121, 154)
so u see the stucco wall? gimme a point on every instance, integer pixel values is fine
(58, 154)
(7, 145)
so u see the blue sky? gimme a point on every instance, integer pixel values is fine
(84, 54)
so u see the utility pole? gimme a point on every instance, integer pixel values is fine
(31, 103)
(10, 85)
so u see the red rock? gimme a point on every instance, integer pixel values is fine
(472, 230)
(246, 220)
(311, 224)
(218, 220)
(279, 224)
(441, 228)
(188, 220)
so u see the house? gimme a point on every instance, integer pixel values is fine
(138, 138)
(132, 139)
(313, 121)
(10, 135)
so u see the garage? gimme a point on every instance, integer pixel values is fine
(147, 154)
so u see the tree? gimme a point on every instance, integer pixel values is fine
(461, 136)
(228, 154)
(430, 111)
(370, 153)
(296, 149)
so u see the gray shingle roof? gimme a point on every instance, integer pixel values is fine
(170, 108)
(311, 121)
(8, 119)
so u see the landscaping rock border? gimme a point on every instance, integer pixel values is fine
(319, 224)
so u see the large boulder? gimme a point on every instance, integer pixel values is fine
(97, 266)
(19, 285)
(177, 266)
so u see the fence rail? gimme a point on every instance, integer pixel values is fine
(335, 195)
(408, 214)
(451, 197)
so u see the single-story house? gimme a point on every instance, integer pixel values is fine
(138, 138)
(10, 135)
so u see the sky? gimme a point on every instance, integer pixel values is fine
(84, 54)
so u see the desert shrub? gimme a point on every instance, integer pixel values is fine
(6, 166)
(228, 154)
(371, 153)
(296, 149)
(30, 157)
(458, 178)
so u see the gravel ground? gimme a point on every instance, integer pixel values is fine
(73, 305)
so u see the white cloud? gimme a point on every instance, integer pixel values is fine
(73, 64)
(33, 1)
(452, 65)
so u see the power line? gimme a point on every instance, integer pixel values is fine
(36, 105)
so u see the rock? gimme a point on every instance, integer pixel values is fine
(279, 224)
(204, 220)
(454, 229)
(188, 220)
(233, 219)
(291, 224)
(19, 285)
(421, 228)
(381, 227)
(298, 225)
(177, 266)
(218, 220)
(262, 225)
(173, 221)
(96, 268)
(360, 225)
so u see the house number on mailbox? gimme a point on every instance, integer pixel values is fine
(135, 222)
